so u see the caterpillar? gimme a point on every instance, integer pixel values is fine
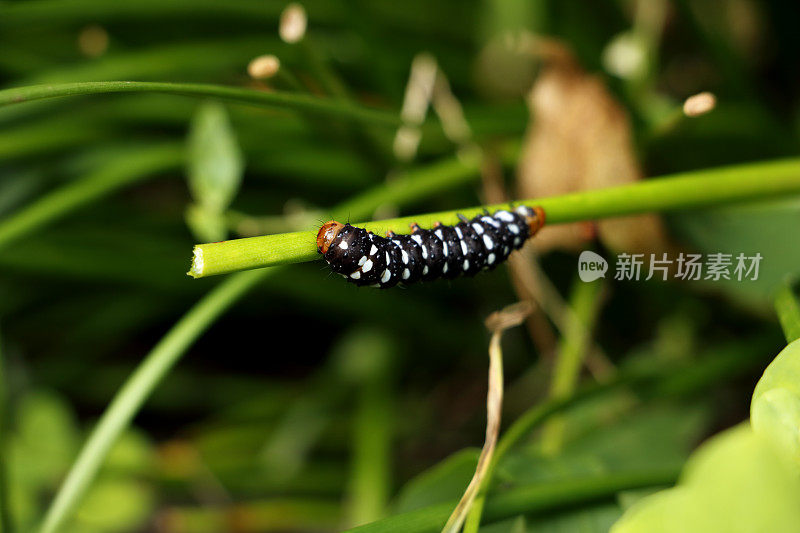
(467, 248)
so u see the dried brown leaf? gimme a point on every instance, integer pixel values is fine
(580, 139)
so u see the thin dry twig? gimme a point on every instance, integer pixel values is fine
(497, 323)
(416, 102)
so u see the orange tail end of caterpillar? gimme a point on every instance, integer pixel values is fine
(536, 221)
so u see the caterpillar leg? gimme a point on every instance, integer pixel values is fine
(462, 218)
(390, 234)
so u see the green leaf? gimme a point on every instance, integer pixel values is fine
(733, 483)
(659, 435)
(215, 160)
(775, 408)
(445, 482)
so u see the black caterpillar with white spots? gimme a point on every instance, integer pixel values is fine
(467, 248)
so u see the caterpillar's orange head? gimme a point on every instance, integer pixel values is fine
(327, 233)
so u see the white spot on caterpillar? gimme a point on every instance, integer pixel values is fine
(487, 241)
(458, 232)
(367, 266)
(343, 245)
(490, 259)
(517, 241)
(405, 256)
(513, 228)
(417, 239)
(406, 273)
(362, 260)
(356, 275)
(444, 248)
(491, 221)
(464, 247)
(504, 216)
(388, 260)
(386, 276)
(424, 252)
(373, 250)
(444, 269)
(439, 234)
(466, 264)
(425, 270)
(478, 228)
(505, 250)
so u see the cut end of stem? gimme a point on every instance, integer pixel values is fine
(197, 263)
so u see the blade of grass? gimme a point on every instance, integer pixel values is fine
(370, 481)
(788, 307)
(122, 171)
(100, 11)
(138, 387)
(712, 187)
(274, 99)
(6, 521)
(585, 303)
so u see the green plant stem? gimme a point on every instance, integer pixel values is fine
(371, 479)
(572, 351)
(415, 184)
(138, 387)
(787, 306)
(122, 171)
(526, 500)
(714, 187)
(275, 99)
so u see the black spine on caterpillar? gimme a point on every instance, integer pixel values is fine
(467, 248)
